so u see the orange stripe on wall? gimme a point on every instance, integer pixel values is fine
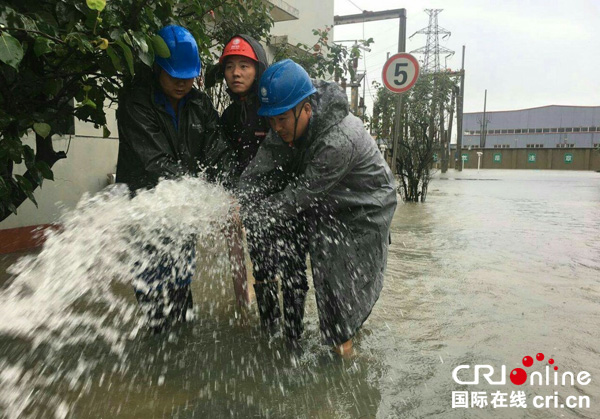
(22, 238)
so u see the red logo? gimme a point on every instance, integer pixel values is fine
(518, 376)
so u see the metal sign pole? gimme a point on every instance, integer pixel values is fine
(397, 132)
(399, 122)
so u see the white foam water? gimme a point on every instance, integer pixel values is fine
(78, 290)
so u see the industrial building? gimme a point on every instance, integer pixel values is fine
(549, 137)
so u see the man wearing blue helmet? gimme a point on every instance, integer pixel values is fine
(340, 185)
(168, 129)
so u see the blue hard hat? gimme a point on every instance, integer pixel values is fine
(282, 86)
(184, 62)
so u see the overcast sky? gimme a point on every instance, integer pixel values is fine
(525, 53)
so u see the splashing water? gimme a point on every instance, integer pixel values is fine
(455, 269)
(77, 290)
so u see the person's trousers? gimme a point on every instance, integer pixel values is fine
(165, 276)
(281, 249)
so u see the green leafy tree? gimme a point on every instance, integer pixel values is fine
(325, 59)
(382, 120)
(61, 59)
(423, 123)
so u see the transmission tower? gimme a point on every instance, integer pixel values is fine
(433, 50)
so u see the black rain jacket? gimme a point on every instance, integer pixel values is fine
(150, 147)
(242, 126)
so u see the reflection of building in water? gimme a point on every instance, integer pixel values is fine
(548, 137)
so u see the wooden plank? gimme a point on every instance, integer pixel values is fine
(235, 241)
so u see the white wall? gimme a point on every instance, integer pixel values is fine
(313, 15)
(90, 158)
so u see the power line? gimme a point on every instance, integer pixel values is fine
(375, 66)
(369, 89)
(386, 48)
(349, 1)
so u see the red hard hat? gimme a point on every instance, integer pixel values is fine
(238, 46)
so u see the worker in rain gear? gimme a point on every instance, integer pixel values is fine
(243, 62)
(168, 129)
(342, 187)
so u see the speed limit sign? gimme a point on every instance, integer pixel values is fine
(400, 72)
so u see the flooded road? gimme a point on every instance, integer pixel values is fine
(495, 266)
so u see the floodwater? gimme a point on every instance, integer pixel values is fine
(495, 266)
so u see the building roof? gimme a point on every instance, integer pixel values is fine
(551, 116)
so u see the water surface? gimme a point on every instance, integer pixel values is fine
(495, 266)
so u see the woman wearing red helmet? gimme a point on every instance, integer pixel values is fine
(243, 62)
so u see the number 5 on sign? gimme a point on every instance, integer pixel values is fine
(400, 72)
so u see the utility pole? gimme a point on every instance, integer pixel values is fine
(483, 123)
(367, 16)
(448, 136)
(399, 123)
(459, 115)
(356, 102)
(361, 106)
(355, 84)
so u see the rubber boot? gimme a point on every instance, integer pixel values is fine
(268, 305)
(181, 301)
(152, 306)
(293, 306)
(163, 311)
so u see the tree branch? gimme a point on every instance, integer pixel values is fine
(133, 21)
(43, 152)
(45, 35)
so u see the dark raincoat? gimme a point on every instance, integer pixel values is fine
(242, 126)
(347, 191)
(150, 146)
(245, 131)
